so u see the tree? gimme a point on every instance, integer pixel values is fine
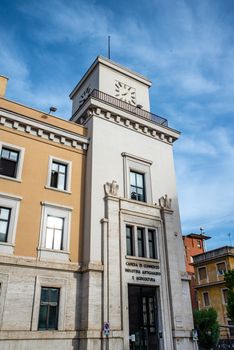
(229, 279)
(207, 326)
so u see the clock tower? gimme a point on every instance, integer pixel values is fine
(134, 290)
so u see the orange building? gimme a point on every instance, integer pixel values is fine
(42, 165)
(193, 245)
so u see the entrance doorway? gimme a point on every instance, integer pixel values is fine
(143, 318)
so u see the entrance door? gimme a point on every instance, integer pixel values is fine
(143, 323)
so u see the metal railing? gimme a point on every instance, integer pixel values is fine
(126, 107)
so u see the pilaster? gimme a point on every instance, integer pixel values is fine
(178, 283)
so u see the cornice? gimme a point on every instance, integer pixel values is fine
(42, 130)
(131, 122)
(29, 262)
(209, 284)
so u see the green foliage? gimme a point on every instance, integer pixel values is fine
(206, 323)
(229, 279)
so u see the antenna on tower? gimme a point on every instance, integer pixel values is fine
(202, 230)
(109, 47)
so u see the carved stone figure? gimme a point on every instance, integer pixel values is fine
(111, 188)
(165, 202)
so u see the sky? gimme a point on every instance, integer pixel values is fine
(186, 48)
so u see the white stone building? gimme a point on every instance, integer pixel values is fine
(134, 279)
(91, 253)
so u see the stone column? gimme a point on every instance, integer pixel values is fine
(112, 298)
(178, 283)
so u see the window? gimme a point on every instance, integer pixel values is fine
(8, 162)
(137, 184)
(11, 159)
(137, 178)
(129, 240)
(141, 242)
(9, 210)
(49, 308)
(59, 174)
(225, 296)
(55, 232)
(221, 268)
(199, 245)
(49, 303)
(202, 273)
(151, 243)
(206, 299)
(5, 214)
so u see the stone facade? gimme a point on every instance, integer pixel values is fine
(120, 271)
(123, 140)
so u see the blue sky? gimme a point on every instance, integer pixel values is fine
(185, 47)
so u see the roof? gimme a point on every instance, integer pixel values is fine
(197, 236)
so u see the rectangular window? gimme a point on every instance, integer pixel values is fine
(137, 186)
(221, 268)
(129, 240)
(58, 175)
(54, 232)
(5, 215)
(9, 211)
(202, 273)
(141, 242)
(49, 307)
(9, 162)
(151, 242)
(206, 299)
(199, 244)
(225, 295)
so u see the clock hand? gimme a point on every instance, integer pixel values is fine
(124, 94)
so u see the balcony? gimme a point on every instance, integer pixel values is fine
(213, 254)
(101, 96)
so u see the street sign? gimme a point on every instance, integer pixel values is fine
(194, 334)
(106, 328)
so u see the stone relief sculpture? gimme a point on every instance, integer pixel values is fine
(165, 202)
(111, 188)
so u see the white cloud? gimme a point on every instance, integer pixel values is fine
(185, 49)
(205, 184)
(196, 146)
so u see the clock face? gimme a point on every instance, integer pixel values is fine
(125, 93)
(84, 95)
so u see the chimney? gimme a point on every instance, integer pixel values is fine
(3, 85)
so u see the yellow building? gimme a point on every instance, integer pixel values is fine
(42, 165)
(210, 268)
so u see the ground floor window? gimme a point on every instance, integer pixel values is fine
(49, 308)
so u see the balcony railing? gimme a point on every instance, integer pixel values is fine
(125, 107)
(212, 254)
